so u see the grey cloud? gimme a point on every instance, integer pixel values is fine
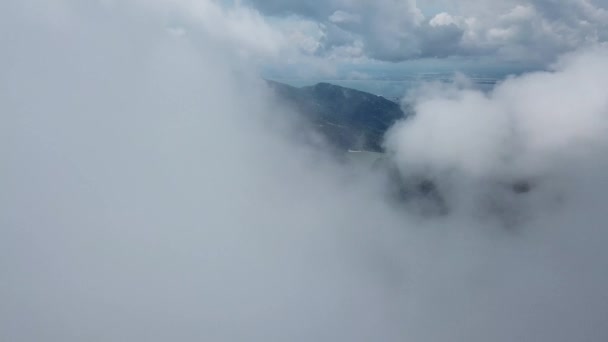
(314, 8)
(441, 41)
(341, 17)
(152, 191)
(397, 30)
(385, 27)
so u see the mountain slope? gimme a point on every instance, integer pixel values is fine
(348, 118)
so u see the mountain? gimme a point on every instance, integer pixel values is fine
(350, 119)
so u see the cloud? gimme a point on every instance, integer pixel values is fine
(523, 129)
(341, 17)
(535, 129)
(442, 19)
(533, 32)
(384, 27)
(153, 190)
(151, 193)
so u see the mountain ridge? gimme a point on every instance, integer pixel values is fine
(348, 118)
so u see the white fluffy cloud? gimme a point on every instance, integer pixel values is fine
(523, 129)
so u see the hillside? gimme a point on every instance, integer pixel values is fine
(348, 118)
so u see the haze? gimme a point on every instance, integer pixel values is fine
(155, 189)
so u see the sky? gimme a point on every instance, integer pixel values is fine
(154, 188)
(393, 33)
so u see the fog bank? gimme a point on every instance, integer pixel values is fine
(153, 190)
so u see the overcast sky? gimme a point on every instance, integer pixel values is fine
(528, 32)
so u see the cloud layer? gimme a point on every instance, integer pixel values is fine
(533, 128)
(152, 190)
(532, 31)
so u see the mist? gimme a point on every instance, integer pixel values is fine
(154, 189)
